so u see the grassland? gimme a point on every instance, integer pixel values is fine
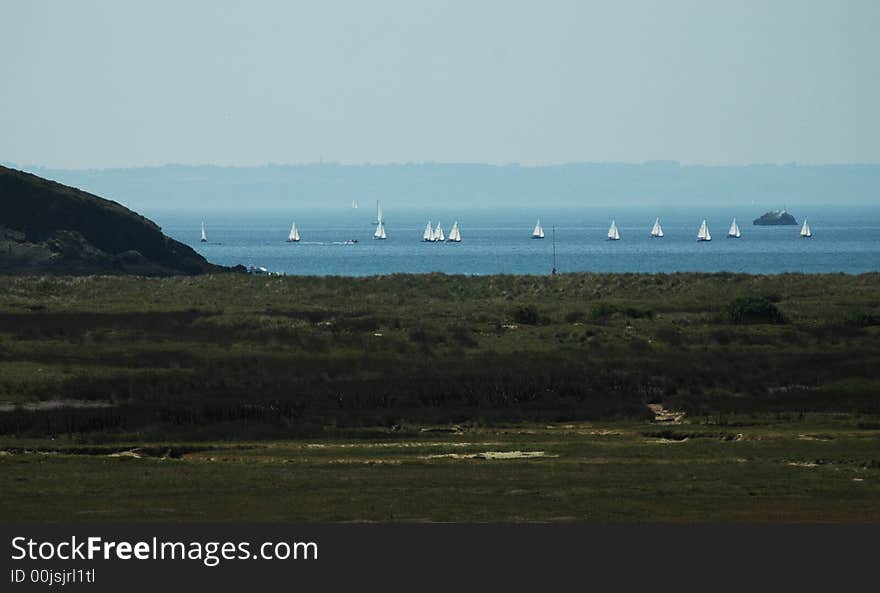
(825, 469)
(407, 398)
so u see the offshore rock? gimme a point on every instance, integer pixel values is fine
(775, 217)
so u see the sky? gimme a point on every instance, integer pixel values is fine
(100, 84)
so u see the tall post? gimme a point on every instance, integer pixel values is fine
(553, 271)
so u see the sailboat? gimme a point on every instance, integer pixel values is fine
(438, 233)
(806, 233)
(454, 234)
(657, 230)
(354, 204)
(613, 233)
(428, 235)
(204, 238)
(380, 224)
(734, 233)
(538, 233)
(293, 237)
(703, 233)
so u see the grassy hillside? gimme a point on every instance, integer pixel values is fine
(49, 227)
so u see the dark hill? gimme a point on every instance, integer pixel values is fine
(46, 227)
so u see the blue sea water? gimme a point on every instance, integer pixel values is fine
(844, 239)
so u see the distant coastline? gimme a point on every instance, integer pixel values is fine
(661, 183)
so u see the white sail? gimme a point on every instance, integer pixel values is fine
(538, 233)
(454, 233)
(354, 204)
(429, 233)
(293, 237)
(380, 223)
(805, 230)
(703, 233)
(438, 233)
(657, 231)
(613, 233)
(204, 236)
(734, 232)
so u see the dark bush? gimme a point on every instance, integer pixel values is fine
(463, 336)
(670, 335)
(753, 310)
(634, 313)
(526, 315)
(574, 316)
(603, 311)
(424, 337)
(722, 336)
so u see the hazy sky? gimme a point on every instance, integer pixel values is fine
(117, 83)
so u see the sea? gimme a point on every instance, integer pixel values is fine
(846, 239)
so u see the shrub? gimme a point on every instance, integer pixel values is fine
(603, 311)
(574, 316)
(753, 310)
(526, 315)
(463, 336)
(419, 336)
(722, 336)
(670, 335)
(634, 313)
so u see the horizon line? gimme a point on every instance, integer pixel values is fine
(323, 163)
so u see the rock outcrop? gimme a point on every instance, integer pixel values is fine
(775, 217)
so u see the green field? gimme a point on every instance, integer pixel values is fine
(826, 469)
(438, 398)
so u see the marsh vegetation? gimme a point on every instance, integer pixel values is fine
(311, 398)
